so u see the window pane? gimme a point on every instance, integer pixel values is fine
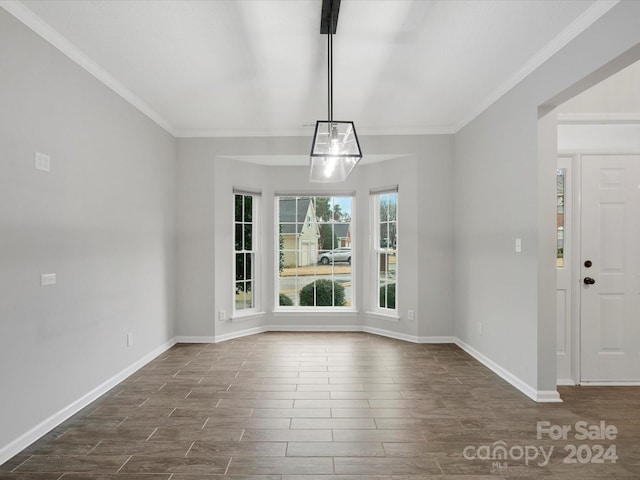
(560, 184)
(384, 235)
(249, 295)
(314, 251)
(248, 236)
(393, 235)
(384, 210)
(392, 208)
(386, 264)
(248, 266)
(244, 295)
(388, 295)
(238, 208)
(240, 266)
(248, 208)
(244, 232)
(238, 237)
(239, 304)
(391, 265)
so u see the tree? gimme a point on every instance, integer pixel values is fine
(337, 213)
(323, 211)
(388, 296)
(328, 239)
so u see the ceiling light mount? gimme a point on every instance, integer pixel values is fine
(335, 150)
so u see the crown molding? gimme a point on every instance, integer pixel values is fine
(584, 21)
(308, 132)
(39, 26)
(598, 118)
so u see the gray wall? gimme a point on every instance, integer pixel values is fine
(102, 220)
(205, 180)
(503, 184)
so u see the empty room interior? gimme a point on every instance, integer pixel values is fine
(204, 275)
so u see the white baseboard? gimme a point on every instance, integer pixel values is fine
(542, 396)
(547, 396)
(389, 333)
(566, 382)
(194, 339)
(441, 339)
(240, 333)
(57, 418)
(610, 384)
(314, 328)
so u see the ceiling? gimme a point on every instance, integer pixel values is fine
(258, 67)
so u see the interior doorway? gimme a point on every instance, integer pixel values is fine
(599, 154)
(598, 269)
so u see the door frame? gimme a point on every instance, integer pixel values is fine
(576, 242)
(572, 210)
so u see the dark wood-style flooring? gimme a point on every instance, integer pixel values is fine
(350, 406)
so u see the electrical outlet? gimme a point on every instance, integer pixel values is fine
(47, 279)
(479, 328)
(129, 339)
(410, 315)
(222, 315)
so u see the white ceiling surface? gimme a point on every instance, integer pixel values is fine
(258, 67)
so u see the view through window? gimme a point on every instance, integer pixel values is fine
(560, 195)
(315, 238)
(244, 251)
(385, 211)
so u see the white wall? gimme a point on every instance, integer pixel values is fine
(206, 177)
(502, 186)
(102, 220)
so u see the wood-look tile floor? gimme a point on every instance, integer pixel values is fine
(312, 406)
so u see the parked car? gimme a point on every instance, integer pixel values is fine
(342, 254)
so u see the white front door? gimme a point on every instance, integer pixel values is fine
(610, 269)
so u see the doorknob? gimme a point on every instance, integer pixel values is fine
(589, 281)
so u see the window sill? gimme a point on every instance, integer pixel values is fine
(389, 317)
(243, 317)
(315, 312)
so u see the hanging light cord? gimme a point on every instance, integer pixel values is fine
(330, 68)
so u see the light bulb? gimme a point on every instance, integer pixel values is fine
(335, 146)
(329, 166)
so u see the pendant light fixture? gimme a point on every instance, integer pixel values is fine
(335, 150)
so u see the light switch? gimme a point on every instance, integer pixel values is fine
(47, 279)
(43, 162)
(518, 245)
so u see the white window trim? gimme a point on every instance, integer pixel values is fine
(255, 311)
(320, 311)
